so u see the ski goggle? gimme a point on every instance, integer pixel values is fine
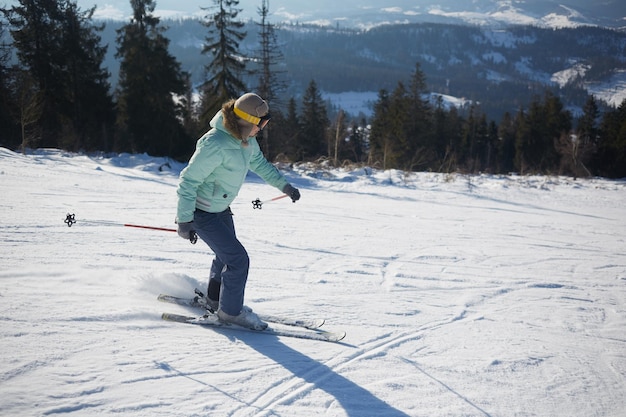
(264, 121)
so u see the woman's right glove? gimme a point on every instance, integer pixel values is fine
(188, 231)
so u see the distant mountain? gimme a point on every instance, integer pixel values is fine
(369, 13)
(543, 13)
(501, 68)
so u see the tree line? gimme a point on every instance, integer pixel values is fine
(412, 133)
(58, 95)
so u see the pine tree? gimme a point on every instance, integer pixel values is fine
(491, 150)
(59, 49)
(9, 127)
(314, 125)
(227, 66)
(539, 131)
(479, 156)
(380, 136)
(447, 139)
(558, 124)
(419, 131)
(469, 138)
(34, 25)
(440, 134)
(402, 132)
(587, 129)
(506, 145)
(610, 159)
(269, 85)
(523, 137)
(286, 132)
(399, 148)
(149, 117)
(539, 149)
(89, 103)
(269, 58)
(576, 150)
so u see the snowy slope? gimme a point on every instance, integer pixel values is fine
(461, 296)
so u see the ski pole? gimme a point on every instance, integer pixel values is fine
(258, 204)
(70, 219)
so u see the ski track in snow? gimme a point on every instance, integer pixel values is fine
(460, 296)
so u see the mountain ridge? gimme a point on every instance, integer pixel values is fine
(362, 14)
(541, 13)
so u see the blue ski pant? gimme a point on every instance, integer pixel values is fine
(231, 263)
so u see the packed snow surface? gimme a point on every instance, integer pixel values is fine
(460, 295)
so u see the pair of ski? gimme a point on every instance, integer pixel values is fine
(302, 329)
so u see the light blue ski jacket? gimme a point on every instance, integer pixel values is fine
(217, 170)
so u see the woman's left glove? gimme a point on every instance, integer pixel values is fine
(292, 192)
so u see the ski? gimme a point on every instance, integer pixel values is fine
(196, 302)
(211, 320)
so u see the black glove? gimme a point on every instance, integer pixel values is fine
(187, 231)
(292, 192)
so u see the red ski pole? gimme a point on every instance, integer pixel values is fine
(70, 219)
